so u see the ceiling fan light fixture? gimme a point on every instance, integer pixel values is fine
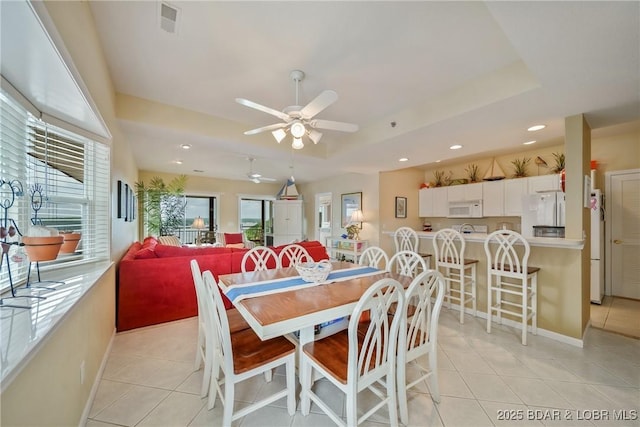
(297, 144)
(298, 129)
(315, 136)
(279, 135)
(256, 180)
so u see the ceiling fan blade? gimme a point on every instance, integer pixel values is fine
(320, 102)
(262, 178)
(265, 128)
(330, 124)
(264, 109)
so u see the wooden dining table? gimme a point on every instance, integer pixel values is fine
(299, 310)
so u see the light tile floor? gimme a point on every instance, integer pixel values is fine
(485, 380)
(618, 315)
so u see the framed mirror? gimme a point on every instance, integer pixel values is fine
(351, 202)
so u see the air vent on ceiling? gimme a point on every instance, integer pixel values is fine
(169, 18)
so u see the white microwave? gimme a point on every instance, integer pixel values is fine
(466, 209)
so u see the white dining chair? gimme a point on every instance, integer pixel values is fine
(374, 256)
(407, 263)
(459, 272)
(243, 357)
(204, 348)
(359, 358)
(509, 274)
(418, 337)
(406, 239)
(293, 254)
(260, 258)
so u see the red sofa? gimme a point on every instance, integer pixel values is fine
(155, 284)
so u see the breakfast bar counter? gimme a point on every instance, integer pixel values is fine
(562, 310)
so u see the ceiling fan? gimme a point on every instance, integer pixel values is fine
(297, 120)
(255, 176)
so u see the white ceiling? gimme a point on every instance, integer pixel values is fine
(472, 73)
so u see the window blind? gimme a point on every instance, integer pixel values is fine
(73, 174)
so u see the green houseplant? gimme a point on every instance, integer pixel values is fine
(559, 166)
(520, 167)
(162, 205)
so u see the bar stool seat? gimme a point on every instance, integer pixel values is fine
(512, 285)
(449, 246)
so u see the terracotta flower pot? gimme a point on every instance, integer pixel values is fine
(42, 248)
(71, 241)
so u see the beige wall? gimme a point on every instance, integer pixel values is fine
(48, 391)
(349, 183)
(75, 24)
(394, 184)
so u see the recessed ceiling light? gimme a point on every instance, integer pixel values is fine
(403, 159)
(438, 161)
(455, 147)
(178, 162)
(529, 142)
(536, 127)
(185, 146)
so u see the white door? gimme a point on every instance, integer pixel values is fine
(623, 205)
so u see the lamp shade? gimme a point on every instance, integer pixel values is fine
(357, 216)
(297, 144)
(298, 129)
(279, 135)
(198, 223)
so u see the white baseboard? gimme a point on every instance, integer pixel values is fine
(576, 342)
(96, 382)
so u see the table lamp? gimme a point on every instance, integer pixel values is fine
(198, 224)
(356, 217)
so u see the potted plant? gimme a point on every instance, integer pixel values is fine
(559, 166)
(163, 205)
(42, 243)
(472, 172)
(520, 167)
(441, 179)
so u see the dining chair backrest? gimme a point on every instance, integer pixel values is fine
(449, 246)
(201, 349)
(372, 351)
(424, 296)
(406, 239)
(374, 256)
(418, 335)
(406, 263)
(292, 255)
(508, 252)
(260, 258)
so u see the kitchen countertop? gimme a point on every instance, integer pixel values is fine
(549, 242)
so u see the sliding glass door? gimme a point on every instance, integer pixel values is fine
(255, 219)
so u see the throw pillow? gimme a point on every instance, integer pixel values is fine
(145, 253)
(169, 240)
(233, 238)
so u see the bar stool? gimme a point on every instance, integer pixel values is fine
(406, 239)
(513, 281)
(449, 246)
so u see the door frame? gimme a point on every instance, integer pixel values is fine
(608, 282)
(316, 208)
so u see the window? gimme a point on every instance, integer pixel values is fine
(205, 208)
(255, 219)
(71, 171)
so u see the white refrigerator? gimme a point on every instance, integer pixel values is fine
(546, 208)
(597, 246)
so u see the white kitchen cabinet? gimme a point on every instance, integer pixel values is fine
(493, 198)
(464, 192)
(543, 183)
(440, 201)
(514, 190)
(287, 221)
(433, 202)
(425, 202)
